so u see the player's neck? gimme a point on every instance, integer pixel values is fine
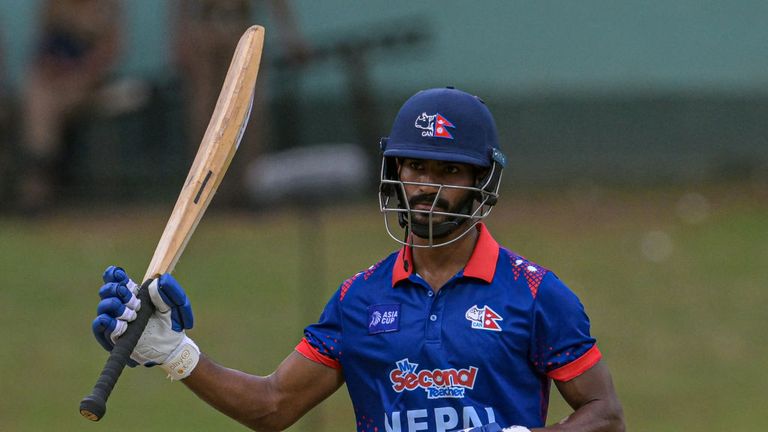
(438, 265)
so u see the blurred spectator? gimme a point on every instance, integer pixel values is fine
(4, 125)
(207, 32)
(76, 49)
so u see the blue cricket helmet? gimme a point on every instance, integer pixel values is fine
(445, 124)
(448, 125)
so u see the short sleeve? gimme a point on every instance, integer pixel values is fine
(561, 345)
(322, 341)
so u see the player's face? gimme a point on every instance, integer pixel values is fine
(431, 173)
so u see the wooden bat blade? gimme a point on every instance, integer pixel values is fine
(219, 144)
(217, 148)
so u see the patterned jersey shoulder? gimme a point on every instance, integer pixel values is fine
(532, 273)
(372, 273)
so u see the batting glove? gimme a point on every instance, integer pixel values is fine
(494, 427)
(164, 341)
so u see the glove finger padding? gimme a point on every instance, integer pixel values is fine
(121, 291)
(117, 307)
(115, 274)
(107, 329)
(113, 307)
(103, 327)
(167, 294)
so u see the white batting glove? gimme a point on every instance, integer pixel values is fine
(164, 341)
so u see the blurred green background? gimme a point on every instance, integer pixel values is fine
(638, 172)
(673, 279)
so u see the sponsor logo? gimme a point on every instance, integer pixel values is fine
(437, 383)
(383, 318)
(434, 125)
(484, 318)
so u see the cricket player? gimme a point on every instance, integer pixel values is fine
(450, 332)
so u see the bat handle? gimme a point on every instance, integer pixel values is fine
(94, 406)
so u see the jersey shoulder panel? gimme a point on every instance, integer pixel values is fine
(532, 273)
(373, 274)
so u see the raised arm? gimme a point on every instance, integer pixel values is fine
(270, 403)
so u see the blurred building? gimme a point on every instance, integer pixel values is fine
(616, 92)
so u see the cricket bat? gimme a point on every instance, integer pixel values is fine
(221, 139)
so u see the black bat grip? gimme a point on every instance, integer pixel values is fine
(94, 406)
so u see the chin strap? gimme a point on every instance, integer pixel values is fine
(439, 230)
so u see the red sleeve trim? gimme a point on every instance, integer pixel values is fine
(308, 351)
(578, 366)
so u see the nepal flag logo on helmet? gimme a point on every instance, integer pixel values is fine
(434, 125)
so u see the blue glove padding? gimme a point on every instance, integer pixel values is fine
(174, 296)
(119, 305)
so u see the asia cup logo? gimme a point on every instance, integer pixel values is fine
(375, 319)
(383, 318)
(434, 125)
(484, 318)
(438, 383)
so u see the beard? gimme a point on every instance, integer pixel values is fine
(442, 225)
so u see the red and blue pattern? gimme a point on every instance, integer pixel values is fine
(439, 372)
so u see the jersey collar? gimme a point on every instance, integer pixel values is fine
(481, 265)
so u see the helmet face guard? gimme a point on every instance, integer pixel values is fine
(446, 125)
(469, 212)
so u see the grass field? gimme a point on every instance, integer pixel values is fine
(675, 284)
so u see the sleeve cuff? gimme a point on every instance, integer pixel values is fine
(308, 351)
(578, 366)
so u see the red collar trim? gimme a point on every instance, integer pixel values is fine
(481, 265)
(403, 265)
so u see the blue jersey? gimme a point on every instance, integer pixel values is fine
(483, 349)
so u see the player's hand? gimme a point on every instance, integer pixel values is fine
(164, 341)
(494, 427)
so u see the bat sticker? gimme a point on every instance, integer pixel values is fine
(202, 186)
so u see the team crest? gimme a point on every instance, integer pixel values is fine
(484, 318)
(434, 125)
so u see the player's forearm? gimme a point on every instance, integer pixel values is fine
(595, 416)
(249, 399)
